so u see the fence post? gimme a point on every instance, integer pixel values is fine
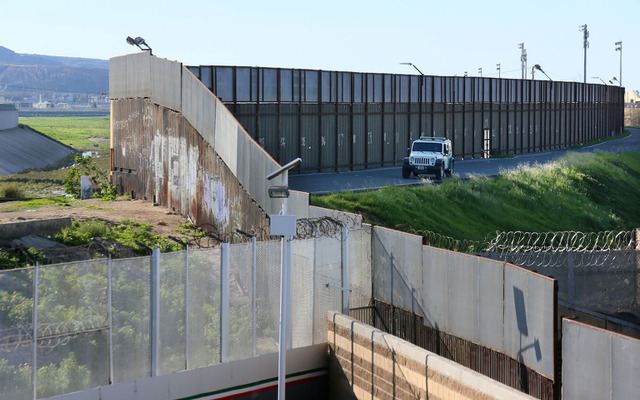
(34, 335)
(315, 282)
(224, 304)
(186, 307)
(154, 317)
(571, 278)
(110, 318)
(345, 270)
(253, 290)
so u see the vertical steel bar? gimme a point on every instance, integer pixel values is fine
(315, 282)
(154, 317)
(186, 307)
(345, 270)
(110, 317)
(34, 335)
(224, 303)
(571, 278)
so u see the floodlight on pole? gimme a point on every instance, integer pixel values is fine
(498, 68)
(583, 28)
(619, 48)
(283, 225)
(139, 42)
(480, 71)
(597, 77)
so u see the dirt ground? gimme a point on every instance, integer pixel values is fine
(162, 220)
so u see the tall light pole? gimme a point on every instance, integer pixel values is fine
(498, 68)
(523, 60)
(583, 28)
(597, 77)
(480, 71)
(619, 48)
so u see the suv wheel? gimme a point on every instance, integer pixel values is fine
(440, 172)
(406, 173)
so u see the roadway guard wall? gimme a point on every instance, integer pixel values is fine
(492, 303)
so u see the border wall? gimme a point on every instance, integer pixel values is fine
(338, 121)
(598, 364)
(368, 363)
(175, 143)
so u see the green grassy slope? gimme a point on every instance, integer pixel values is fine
(586, 192)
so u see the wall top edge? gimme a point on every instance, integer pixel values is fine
(570, 321)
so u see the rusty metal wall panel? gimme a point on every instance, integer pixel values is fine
(164, 159)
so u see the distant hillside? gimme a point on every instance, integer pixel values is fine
(37, 73)
(12, 58)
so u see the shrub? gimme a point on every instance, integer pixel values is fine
(12, 191)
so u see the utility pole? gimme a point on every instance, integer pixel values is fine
(619, 48)
(523, 60)
(583, 28)
(498, 68)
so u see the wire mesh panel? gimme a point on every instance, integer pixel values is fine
(267, 296)
(204, 307)
(359, 264)
(72, 353)
(328, 282)
(172, 312)
(302, 292)
(131, 307)
(16, 327)
(241, 301)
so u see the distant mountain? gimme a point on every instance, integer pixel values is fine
(12, 58)
(37, 73)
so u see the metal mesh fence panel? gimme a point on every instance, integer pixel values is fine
(16, 326)
(302, 293)
(172, 312)
(204, 307)
(78, 362)
(359, 264)
(241, 301)
(328, 273)
(131, 307)
(267, 296)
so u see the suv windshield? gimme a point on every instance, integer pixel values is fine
(422, 146)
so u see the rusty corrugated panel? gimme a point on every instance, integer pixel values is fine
(160, 157)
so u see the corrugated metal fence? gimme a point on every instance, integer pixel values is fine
(337, 121)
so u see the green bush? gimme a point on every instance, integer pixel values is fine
(12, 191)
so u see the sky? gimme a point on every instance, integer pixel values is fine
(442, 37)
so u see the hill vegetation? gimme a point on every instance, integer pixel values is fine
(582, 191)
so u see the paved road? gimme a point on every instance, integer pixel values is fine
(375, 178)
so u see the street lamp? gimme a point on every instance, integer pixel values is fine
(614, 79)
(583, 28)
(480, 71)
(498, 68)
(139, 42)
(597, 77)
(537, 66)
(619, 48)
(283, 225)
(413, 65)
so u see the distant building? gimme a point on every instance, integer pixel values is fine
(8, 116)
(631, 97)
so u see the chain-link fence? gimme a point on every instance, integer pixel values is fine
(106, 321)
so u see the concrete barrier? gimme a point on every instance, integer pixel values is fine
(33, 227)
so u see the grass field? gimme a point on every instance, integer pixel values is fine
(586, 192)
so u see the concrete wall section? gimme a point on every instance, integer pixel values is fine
(237, 379)
(8, 117)
(33, 227)
(199, 106)
(130, 76)
(598, 364)
(529, 318)
(166, 83)
(397, 268)
(367, 363)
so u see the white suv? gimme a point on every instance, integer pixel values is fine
(429, 155)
